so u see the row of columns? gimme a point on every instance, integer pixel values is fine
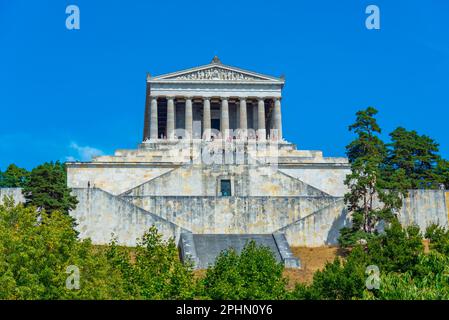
(224, 116)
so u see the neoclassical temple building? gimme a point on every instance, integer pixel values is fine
(218, 97)
(213, 170)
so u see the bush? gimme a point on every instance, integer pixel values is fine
(156, 272)
(35, 251)
(439, 238)
(397, 250)
(254, 274)
(430, 281)
(339, 279)
(350, 237)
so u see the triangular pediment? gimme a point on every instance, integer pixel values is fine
(216, 72)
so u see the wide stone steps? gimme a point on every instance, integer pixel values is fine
(203, 249)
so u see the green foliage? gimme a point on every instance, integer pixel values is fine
(350, 236)
(442, 172)
(439, 238)
(13, 177)
(368, 199)
(338, 280)
(157, 272)
(47, 189)
(252, 275)
(430, 281)
(417, 156)
(35, 251)
(396, 250)
(368, 145)
(381, 175)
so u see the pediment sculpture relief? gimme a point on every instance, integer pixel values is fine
(215, 74)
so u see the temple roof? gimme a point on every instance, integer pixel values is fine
(216, 71)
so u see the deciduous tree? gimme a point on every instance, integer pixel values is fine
(254, 274)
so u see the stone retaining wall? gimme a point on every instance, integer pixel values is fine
(306, 221)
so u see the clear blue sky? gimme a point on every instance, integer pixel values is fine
(66, 93)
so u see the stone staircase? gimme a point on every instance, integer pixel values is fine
(203, 249)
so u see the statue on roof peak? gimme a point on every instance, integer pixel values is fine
(216, 60)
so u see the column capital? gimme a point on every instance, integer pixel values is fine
(261, 98)
(152, 97)
(243, 98)
(206, 98)
(224, 98)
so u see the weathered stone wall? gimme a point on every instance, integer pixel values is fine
(329, 179)
(100, 216)
(113, 178)
(232, 214)
(194, 176)
(447, 205)
(319, 228)
(204, 180)
(306, 221)
(15, 193)
(424, 207)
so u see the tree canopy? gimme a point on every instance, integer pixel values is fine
(36, 251)
(403, 270)
(417, 156)
(47, 189)
(381, 174)
(13, 177)
(252, 275)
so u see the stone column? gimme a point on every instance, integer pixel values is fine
(147, 116)
(174, 118)
(278, 117)
(261, 132)
(237, 115)
(254, 107)
(224, 120)
(153, 125)
(243, 116)
(170, 118)
(189, 116)
(206, 118)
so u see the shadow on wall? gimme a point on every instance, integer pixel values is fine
(343, 220)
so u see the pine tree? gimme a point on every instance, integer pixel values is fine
(13, 177)
(417, 155)
(442, 171)
(47, 188)
(369, 201)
